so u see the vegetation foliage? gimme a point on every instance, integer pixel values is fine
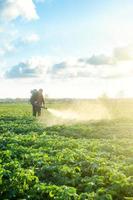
(81, 161)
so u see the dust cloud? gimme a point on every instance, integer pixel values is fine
(64, 114)
(75, 112)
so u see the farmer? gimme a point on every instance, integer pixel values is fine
(40, 100)
(37, 101)
(33, 101)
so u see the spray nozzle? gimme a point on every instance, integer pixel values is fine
(44, 107)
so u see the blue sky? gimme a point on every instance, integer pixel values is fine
(37, 36)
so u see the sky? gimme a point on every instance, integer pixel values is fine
(71, 49)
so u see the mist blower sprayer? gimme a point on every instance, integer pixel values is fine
(44, 107)
(63, 114)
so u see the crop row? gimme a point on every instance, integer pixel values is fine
(64, 162)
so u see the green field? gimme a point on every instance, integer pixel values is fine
(88, 157)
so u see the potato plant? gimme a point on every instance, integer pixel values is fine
(91, 161)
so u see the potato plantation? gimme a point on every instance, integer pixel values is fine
(80, 161)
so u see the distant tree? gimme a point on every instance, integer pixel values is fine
(104, 96)
(120, 94)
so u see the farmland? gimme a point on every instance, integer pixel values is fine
(69, 160)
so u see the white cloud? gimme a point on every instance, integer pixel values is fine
(7, 48)
(2, 52)
(83, 69)
(32, 68)
(31, 38)
(75, 75)
(69, 69)
(12, 9)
